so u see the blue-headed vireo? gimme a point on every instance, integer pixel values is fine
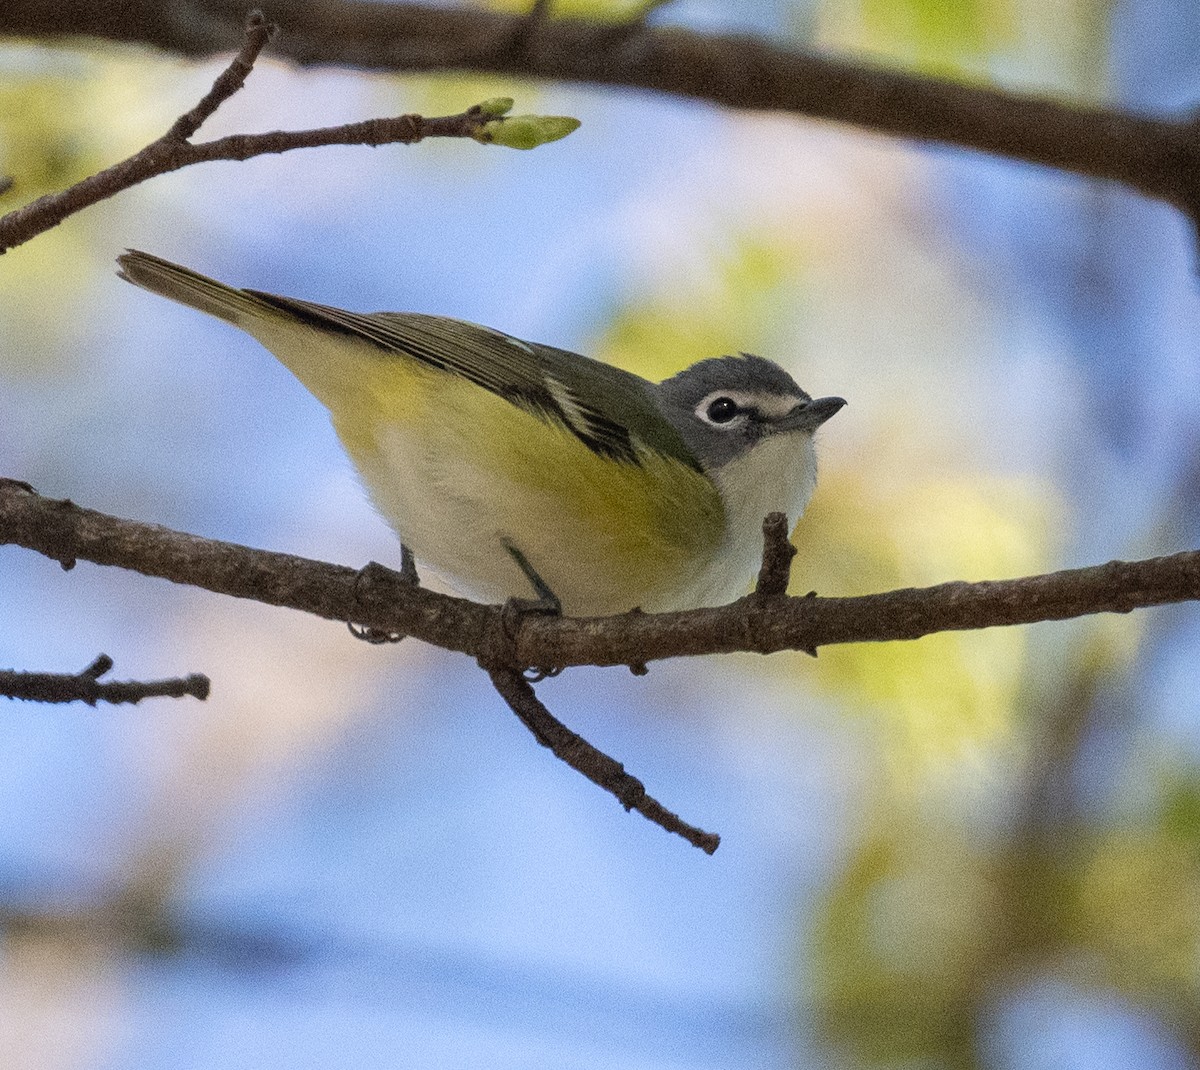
(513, 468)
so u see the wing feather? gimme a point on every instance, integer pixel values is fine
(611, 411)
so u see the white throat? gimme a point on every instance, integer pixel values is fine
(778, 475)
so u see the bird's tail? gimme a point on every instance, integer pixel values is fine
(344, 373)
(190, 288)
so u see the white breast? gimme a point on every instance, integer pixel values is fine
(445, 511)
(454, 518)
(777, 475)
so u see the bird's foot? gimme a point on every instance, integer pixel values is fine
(373, 569)
(547, 603)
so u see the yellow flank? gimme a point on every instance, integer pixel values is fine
(457, 470)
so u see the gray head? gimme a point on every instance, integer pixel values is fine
(723, 407)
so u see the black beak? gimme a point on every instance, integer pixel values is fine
(809, 415)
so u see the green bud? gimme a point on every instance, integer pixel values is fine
(497, 106)
(526, 131)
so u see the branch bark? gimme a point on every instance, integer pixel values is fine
(86, 686)
(765, 624)
(580, 755)
(778, 552)
(1158, 157)
(174, 150)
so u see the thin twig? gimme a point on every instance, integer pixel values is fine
(258, 32)
(778, 552)
(594, 764)
(86, 686)
(159, 157)
(173, 150)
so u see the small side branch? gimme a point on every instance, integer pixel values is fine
(86, 686)
(486, 123)
(594, 764)
(258, 32)
(778, 552)
(159, 157)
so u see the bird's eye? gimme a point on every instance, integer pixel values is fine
(722, 410)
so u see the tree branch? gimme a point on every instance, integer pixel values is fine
(386, 602)
(1159, 158)
(86, 687)
(594, 764)
(258, 32)
(382, 599)
(484, 122)
(778, 552)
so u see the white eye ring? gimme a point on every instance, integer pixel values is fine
(722, 410)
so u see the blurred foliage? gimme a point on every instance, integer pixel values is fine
(903, 946)
(43, 144)
(948, 902)
(932, 922)
(734, 308)
(946, 696)
(939, 38)
(597, 10)
(63, 116)
(939, 915)
(1136, 905)
(1061, 46)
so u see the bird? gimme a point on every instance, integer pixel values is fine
(523, 472)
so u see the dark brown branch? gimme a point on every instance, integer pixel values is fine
(86, 686)
(1160, 158)
(381, 599)
(64, 532)
(594, 764)
(173, 150)
(230, 81)
(778, 552)
(159, 157)
(384, 601)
